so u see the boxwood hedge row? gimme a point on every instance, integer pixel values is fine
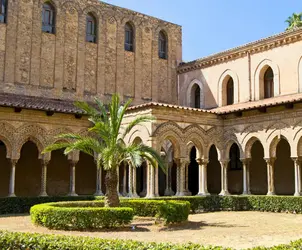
(210, 203)
(30, 241)
(82, 215)
(79, 218)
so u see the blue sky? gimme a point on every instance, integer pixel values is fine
(210, 26)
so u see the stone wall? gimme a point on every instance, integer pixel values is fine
(63, 65)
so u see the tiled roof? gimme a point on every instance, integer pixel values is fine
(258, 104)
(38, 103)
(157, 104)
(231, 108)
(64, 106)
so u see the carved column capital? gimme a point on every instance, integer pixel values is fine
(246, 161)
(202, 161)
(270, 161)
(224, 163)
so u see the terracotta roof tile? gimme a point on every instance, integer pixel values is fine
(258, 104)
(231, 108)
(38, 103)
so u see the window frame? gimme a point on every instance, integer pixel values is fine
(91, 35)
(129, 37)
(197, 97)
(230, 91)
(3, 11)
(50, 25)
(268, 83)
(162, 45)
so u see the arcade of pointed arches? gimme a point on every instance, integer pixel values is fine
(197, 164)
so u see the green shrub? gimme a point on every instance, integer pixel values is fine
(170, 211)
(29, 241)
(79, 218)
(21, 205)
(82, 215)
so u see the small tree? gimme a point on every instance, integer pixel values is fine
(106, 143)
(294, 21)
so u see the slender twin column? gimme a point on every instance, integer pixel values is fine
(203, 187)
(181, 174)
(11, 192)
(168, 190)
(270, 176)
(246, 176)
(44, 164)
(132, 182)
(150, 181)
(156, 181)
(98, 191)
(297, 162)
(224, 178)
(124, 180)
(72, 166)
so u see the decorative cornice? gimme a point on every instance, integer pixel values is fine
(255, 47)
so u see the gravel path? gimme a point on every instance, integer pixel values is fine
(229, 229)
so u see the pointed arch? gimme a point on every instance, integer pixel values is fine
(223, 83)
(129, 40)
(48, 17)
(162, 44)
(259, 79)
(191, 94)
(91, 28)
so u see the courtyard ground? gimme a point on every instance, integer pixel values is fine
(228, 229)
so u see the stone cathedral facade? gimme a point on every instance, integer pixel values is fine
(229, 123)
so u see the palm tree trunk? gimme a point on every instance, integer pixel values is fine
(111, 197)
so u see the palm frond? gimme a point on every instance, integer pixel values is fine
(56, 146)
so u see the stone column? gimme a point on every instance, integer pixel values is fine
(98, 191)
(150, 180)
(118, 181)
(72, 166)
(297, 176)
(169, 191)
(124, 180)
(224, 178)
(203, 187)
(44, 164)
(11, 192)
(270, 176)
(156, 181)
(134, 192)
(182, 173)
(246, 176)
(187, 191)
(177, 178)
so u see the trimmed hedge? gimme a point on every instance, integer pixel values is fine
(79, 218)
(29, 241)
(82, 215)
(290, 204)
(22, 205)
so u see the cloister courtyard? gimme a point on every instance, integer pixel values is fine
(238, 230)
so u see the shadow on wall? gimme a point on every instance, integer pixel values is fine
(188, 83)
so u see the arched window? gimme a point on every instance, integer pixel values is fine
(3, 11)
(269, 83)
(129, 37)
(197, 97)
(235, 163)
(91, 28)
(162, 45)
(230, 91)
(48, 18)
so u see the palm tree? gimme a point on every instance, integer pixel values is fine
(106, 143)
(294, 21)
